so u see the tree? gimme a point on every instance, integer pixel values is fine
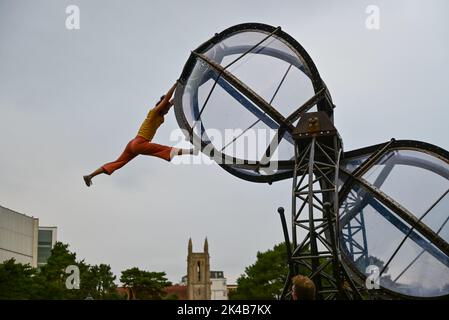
(19, 281)
(265, 278)
(16, 281)
(98, 281)
(95, 281)
(53, 273)
(144, 284)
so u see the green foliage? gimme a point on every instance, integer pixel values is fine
(145, 285)
(18, 281)
(53, 275)
(265, 278)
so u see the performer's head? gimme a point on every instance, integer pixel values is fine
(303, 288)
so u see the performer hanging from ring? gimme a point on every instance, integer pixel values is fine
(142, 144)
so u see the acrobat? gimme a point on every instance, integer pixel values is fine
(142, 144)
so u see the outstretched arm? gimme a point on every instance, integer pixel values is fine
(165, 103)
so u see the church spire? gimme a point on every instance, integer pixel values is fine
(206, 246)
(190, 245)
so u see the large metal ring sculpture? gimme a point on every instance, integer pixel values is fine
(395, 215)
(393, 198)
(219, 90)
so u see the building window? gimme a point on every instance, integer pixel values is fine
(45, 243)
(198, 270)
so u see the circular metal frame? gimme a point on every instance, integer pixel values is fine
(424, 147)
(247, 170)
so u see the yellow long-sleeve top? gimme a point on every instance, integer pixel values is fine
(150, 125)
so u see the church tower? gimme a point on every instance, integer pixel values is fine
(198, 273)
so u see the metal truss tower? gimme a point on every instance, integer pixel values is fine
(315, 206)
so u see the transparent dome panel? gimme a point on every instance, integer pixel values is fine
(272, 69)
(237, 88)
(221, 114)
(361, 205)
(438, 217)
(414, 179)
(373, 235)
(416, 272)
(197, 83)
(246, 41)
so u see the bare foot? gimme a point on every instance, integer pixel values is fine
(87, 180)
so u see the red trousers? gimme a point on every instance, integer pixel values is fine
(136, 146)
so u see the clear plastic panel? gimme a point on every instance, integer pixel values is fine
(371, 233)
(438, 218)
(414, 179)
(272, 69)
(380, 245)
(416, 272)
(237, 127)
(244, 41)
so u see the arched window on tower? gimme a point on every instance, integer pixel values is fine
(198, 270)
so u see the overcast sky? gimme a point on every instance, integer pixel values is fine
(70, 100)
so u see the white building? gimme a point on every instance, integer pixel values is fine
(21, 238)
(218, 287)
